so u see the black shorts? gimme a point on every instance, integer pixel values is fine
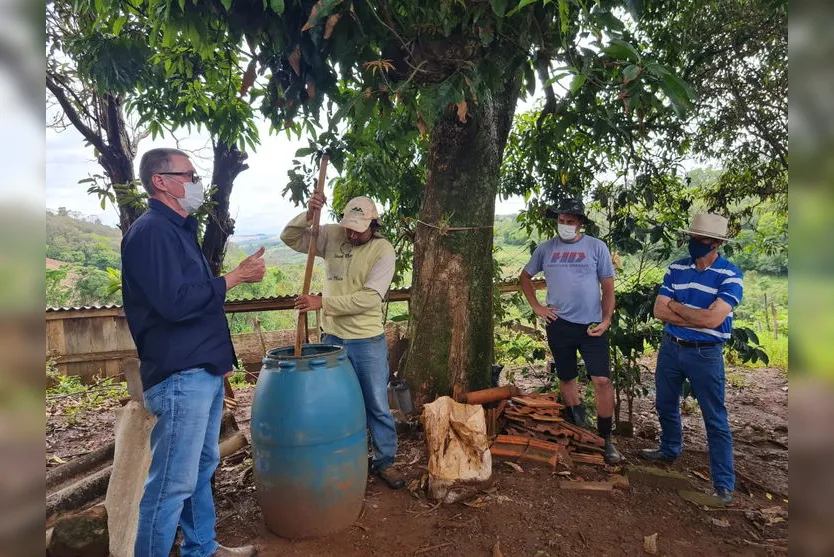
(565, 338)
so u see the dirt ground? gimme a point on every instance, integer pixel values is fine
(525, 511)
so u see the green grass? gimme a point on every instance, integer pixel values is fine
(72, 397)
(239, 379)
(737, 380)
(776, 350)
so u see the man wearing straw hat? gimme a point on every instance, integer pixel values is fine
(696, 302)
(359, 267)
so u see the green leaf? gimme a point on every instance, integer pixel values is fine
(577, 82)
(226, 4)
(119, 24)
(486, 35)
(323, 8)
(763, 356)
(610, 21)
(678, 92)
(277, 6)
(564, 15)
(753, 337)
(630, 73)
(521, 4)
(657, 70)
(681, 85)
(622, 50)
(403, 317)
(499, 7)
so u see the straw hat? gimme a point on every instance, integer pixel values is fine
(709, 225)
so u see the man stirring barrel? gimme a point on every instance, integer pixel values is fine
(359, 267)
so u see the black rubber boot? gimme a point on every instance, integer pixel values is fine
(656, 455)
(612, 455)
(576, 416)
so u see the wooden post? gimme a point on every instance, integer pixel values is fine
(311, 257)
(256, 323)
(775, 322)
(766, 311)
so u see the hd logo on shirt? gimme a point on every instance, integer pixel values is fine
(567, 257)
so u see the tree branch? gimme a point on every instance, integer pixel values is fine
(72, 114)
(551, 105)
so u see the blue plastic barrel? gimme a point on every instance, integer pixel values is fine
(309, 441)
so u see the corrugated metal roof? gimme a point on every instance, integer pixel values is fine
(267, 299)
(52, 309)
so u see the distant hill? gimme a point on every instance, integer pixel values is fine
(79, 240)
(72, 238)
(277, 253)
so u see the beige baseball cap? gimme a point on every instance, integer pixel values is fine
(358, 214)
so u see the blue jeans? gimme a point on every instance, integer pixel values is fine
(369, 357)
(704, 368)
(188, 407)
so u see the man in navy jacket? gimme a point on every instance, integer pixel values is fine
(174, 308)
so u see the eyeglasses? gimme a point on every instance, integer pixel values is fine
(194, 176)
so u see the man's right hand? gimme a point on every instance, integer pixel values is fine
(251, 269)
(547, 312)
(316, 203)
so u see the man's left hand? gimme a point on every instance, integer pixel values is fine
(599, 329)
(308, 303)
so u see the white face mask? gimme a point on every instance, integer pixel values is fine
(567, 231)
(193, 198)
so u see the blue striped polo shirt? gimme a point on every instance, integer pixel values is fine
(699, 289)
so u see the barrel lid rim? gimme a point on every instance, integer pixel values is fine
(336, 350)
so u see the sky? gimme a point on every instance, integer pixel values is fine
(256, 204)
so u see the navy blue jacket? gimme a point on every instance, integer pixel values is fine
(173, 304)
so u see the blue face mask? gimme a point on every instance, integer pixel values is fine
(698, 249)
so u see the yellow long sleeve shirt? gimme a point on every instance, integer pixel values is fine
(357, 278)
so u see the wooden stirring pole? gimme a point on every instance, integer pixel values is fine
(311, 257)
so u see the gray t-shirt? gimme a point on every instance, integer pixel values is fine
(573, 272)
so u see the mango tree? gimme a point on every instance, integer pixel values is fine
(448, 76)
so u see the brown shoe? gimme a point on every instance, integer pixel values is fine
(391, 477)
(245, 551)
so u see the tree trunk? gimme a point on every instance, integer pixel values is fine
(103, 126)
(117, 160)
(451, 325)
(228, 163)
